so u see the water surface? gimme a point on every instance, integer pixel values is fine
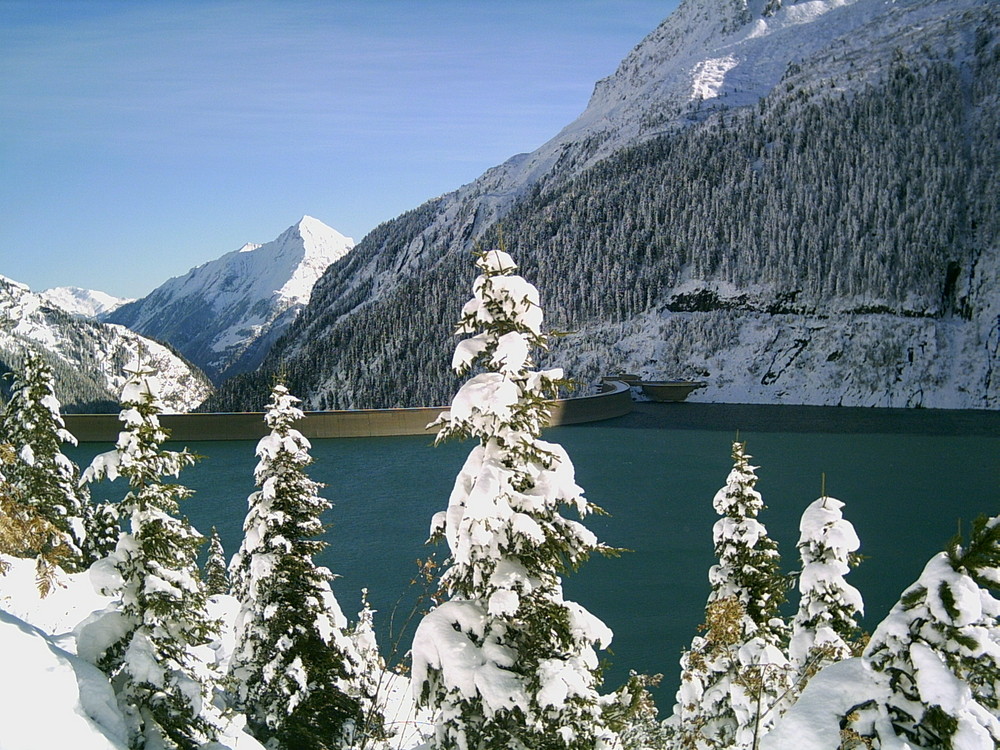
(908, 479)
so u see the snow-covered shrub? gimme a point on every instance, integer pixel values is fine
(824, 628)
(937, 655)
(159, 622)
(734, 675)
(295, 670)
(41, 476)
(506, 661)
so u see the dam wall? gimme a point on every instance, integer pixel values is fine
(614, 401)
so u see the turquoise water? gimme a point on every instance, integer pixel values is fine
(907, 478)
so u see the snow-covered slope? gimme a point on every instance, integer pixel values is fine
(225, 314)
(88, 357)
(707, 55)
(86, 303)
(59, 699)
(52, 696)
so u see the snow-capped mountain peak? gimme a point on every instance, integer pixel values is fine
(319, 246)
(224, 314)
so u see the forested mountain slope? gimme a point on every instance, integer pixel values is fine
(796, 203)
(87, 358)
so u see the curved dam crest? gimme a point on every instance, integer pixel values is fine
(615, 400)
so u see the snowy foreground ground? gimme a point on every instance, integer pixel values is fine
(52, 698)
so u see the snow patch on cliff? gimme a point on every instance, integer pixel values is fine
(745, 356)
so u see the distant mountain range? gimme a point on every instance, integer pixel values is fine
(217, 319)
(87, 357)
(225, 314)
(85, 303)
(794, 201)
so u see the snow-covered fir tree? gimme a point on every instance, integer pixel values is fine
(372, 676)
(215, 574)
(506, 661)
(164, 688)
(734, 674)
(937, 655)
(294, 670)
(824, 628)
(43, 476)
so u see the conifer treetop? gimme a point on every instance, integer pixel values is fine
(33, 398)
(738, 498)
(748, 557)
(138, 454)
(507, 401)
(824, 627)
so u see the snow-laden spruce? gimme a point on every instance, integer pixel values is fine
(937, 654)
(506, 661)
(372, 680)
(152, 641)
(824, 627)
(43, 478)
(295, 671)
(734, 674)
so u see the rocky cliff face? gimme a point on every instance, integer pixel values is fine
(224, 315)
(790, 200)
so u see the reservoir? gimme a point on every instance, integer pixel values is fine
(908, 479)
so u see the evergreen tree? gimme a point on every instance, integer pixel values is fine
(824, 628)
(734, 674)
(216, 575)
(371, 674)
(24, 533)
(163, 687)
(506, 661)
(937, 654)
(42, 475)
(294, 669)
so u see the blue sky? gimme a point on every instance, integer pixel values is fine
(139, 139)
